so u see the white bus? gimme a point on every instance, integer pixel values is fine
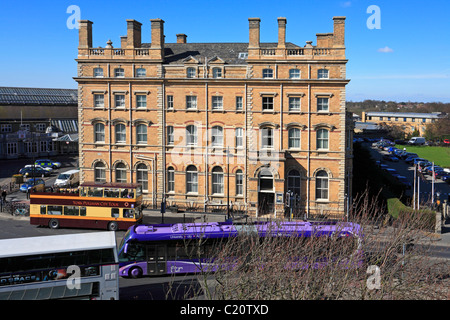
(75, 266)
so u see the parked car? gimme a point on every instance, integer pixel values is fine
(37, 184)
(411, 158)
(34, 172)
(418, 141)
(389, 157)
(446, 141)
(408, 154)
(429, 170)
(48, 163)
(68, 179)
(37, 166)
(416, 160)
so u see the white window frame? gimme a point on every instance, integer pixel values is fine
(217, 103)
(191, 102)
(294, 138)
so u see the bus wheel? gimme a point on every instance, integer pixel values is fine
(112, 226)
(53, 224)
(135, 272)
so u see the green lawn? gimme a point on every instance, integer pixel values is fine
(440, 155)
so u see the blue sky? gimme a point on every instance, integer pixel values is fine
(408, 59)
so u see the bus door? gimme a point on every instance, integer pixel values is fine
(156, 259)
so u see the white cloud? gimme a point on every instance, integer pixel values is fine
(346, 4)
(385, 50)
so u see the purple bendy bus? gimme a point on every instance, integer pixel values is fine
(161, 249)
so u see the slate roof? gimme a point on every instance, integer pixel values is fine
(38, 96)
(175, 53)
(434, 115)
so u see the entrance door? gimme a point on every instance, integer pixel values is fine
(156, 259)
(265, 203)
(266, 194)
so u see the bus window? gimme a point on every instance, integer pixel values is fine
(55, 210)
(95, 192)
(115, 212)
(71, 211)
(128, 213)
(124, 193)
(83, 211)
(43, 209)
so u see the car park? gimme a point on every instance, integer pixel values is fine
(429, 170)
(416, 160)
(34, 183)
(34, 172)
(48, 163)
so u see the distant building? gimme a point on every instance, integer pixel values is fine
(34, 122)
(408, 121)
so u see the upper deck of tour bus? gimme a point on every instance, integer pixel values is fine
(225, 229)
(131, 191)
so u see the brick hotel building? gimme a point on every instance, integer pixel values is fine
(200, 123)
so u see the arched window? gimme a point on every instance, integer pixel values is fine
(121, 134)
(100, 172)
(170, 179)
(191, 179)
(141, 72)
(239, 182)
(293, 182)
(322, 139)
(141, 134)
(99, 133)
(322, 185)
(294, 138)
(217, 136)
(217, 180)
(121, 172)
(142, 176)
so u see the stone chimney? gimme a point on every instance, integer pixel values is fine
(157, 33)
(253, 32)
(282, 33)
(133, 34)
(181, 38)
(85, 34)
(339, 32)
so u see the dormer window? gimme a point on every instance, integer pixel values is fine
(190, 72)
(217, 72)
